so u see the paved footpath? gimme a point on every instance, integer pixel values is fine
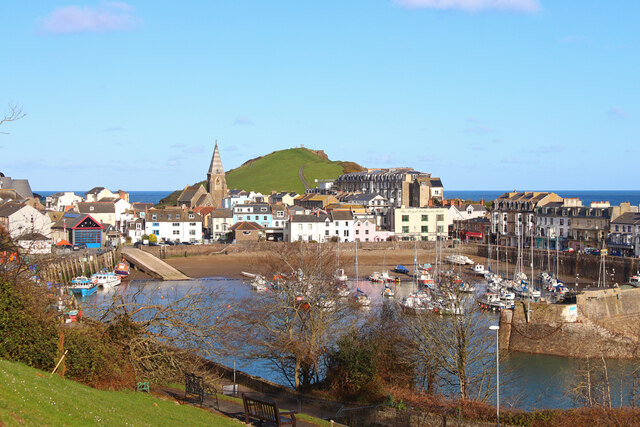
(229, 408)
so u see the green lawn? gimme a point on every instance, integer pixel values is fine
(28, 397)
(279, 171)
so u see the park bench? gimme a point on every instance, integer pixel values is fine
(266, 411)
(194, 385)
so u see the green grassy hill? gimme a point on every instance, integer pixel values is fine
(30, 397)
(279, 171)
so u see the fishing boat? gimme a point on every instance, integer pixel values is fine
(122, 269)
(106, 279)
(375, 277)
(82, 286)
(248, 275)
(413, 302)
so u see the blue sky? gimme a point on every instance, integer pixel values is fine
(486, 94)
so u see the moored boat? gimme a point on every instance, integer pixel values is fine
(106, 279)
(82, 286)
(122, 269)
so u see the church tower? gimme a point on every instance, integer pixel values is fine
(216, 182)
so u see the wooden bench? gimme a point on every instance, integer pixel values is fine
(194, 385)
(266, 411)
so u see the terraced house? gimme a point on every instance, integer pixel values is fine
(427, 224)
(174, 224)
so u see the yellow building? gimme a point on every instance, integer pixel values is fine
(420, 223)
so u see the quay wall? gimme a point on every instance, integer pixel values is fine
(63, 268)
(570, 263)
(601, 323)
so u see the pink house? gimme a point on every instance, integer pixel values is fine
(365, 230)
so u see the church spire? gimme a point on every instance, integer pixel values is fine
(215, 168)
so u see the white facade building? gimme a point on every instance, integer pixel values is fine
(174, 224)
(20, 219)
(306, 228)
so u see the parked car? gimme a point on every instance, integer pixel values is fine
(79, 246)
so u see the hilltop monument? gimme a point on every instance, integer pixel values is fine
(216, 182)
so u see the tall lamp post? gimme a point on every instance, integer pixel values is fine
(497, 329)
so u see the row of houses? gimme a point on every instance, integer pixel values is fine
(546, 220)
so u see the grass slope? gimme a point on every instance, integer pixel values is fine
(279, 171)
(28, 396)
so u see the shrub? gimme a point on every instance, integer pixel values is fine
(28, 332)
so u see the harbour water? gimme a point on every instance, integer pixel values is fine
(529, 382)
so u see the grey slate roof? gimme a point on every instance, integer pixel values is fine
(98, 207)
(627, 218)
(20, 186)
(95, 190)
(309, 218)
(222, 213)
(342, 216)
(10, 208)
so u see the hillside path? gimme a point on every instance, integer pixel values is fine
(300, 174)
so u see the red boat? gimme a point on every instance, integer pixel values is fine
(122, 269)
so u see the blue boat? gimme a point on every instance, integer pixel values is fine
(401, 269)
(82, 286)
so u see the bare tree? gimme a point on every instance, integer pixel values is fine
(293, 324)
(455, 350)
(15, 113)
(163, 329)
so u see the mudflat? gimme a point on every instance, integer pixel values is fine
(232, 264)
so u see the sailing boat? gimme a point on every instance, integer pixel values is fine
(361, 297)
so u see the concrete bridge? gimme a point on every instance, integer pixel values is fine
(152, 265)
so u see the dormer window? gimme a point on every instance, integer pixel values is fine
(91, 208)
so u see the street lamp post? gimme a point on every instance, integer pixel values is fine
(497, 329)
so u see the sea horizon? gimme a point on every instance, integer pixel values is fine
(614, 197)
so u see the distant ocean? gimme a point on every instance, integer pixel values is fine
(587, 196)
(613, 197)
(134, 196)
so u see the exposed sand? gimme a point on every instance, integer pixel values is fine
(232, 264)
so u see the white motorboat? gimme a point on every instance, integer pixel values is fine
(479, 269)
(106, 279)
(387, 291)
(362, 298)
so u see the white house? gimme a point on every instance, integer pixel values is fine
(342, 225)
(19, 219)
(221, 222)
(307, 228)
(134, 229)
(103, 212)
(174, 224)
(59, 201)
(98, 193)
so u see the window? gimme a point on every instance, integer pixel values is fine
(264, 218)
(192, 232)
(169, 216)
(405, 229)
(425, 229)
(326, 232)
(156, 224)
(405, 218)
(425, 238)
(176, 224)
(425, 218)
(176, 232)
(240, 218)
(366, 231)
(561, 221)
(440, 217)
(440, 229)
(337, 224)
(177, 216)
(191, 216)
(357, 231)
(154, 217)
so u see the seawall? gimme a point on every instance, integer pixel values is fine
(601, 323)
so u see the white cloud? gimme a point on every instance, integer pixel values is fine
(108, 17)
(618, 112)
(243, 121)
(479, 129)
(526, 6)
